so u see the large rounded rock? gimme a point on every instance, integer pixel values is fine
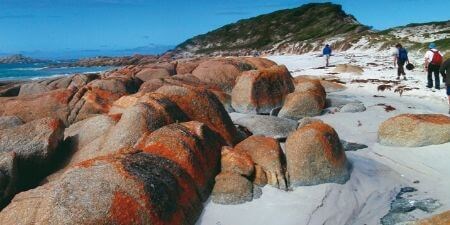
(331, 86)
(33, 88)
(35, 147)
(305, 85)
(135, 121)
(261, 91)
(259, 63)
(314, 155)
(266, 152)
(415, 130)
(152, 73)
(221, 72)
(74, 82)
(186, 80)
(187, 66)
(131, 188)
(201, 105)
(84, 132)
(152, 185)
(302, 104)
(98, 96)
(232, 189)
(31, 107)
(34, 142)
(192, 145)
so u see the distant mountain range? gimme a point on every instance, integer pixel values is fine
(308, 28)
(150, 49)
(19, 59)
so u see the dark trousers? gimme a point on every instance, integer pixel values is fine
(433, 69)
(401, 68)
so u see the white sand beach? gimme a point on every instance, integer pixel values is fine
(378, 171)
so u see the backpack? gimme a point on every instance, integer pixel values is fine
(437, 58)
(402, 54)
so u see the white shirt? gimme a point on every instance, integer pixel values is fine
(429, 55)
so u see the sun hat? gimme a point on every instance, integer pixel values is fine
(432, 45)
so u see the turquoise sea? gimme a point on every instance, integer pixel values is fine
(42, 70)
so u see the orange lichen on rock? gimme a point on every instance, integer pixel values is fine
(184, 157)
(258, 63)
(115, 117)
(315, 155)
(415, 130)
(100, 99)
(125, 210)
(190, 145)
(62, 95)
(329, 139)
(236, 162)
(201, 105)
(439, 219)
(221, 72)
(55, 124)
(31, 107)
(429, 118)
(260, 91)
(266, 152)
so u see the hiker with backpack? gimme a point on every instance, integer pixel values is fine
(326, 52)
(445, 71)
(433, 61)
(400, 60)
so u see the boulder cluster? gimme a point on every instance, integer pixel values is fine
(148, 144)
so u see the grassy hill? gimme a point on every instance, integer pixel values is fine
(310, 21)
(307, 28)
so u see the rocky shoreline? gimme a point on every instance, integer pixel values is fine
(150, 143)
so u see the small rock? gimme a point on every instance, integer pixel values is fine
(232, 189)
(302, 104)
(350, 146)
(338, 101)
(269, 126)
(353, 108)
(346, 68)
(267, 153)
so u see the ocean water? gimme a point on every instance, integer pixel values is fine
(42, 70)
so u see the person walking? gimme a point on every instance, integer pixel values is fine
(445, 71)
(400, 60)
(433, 61)
(327, 53)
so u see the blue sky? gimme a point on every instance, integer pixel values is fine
(70, 25)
